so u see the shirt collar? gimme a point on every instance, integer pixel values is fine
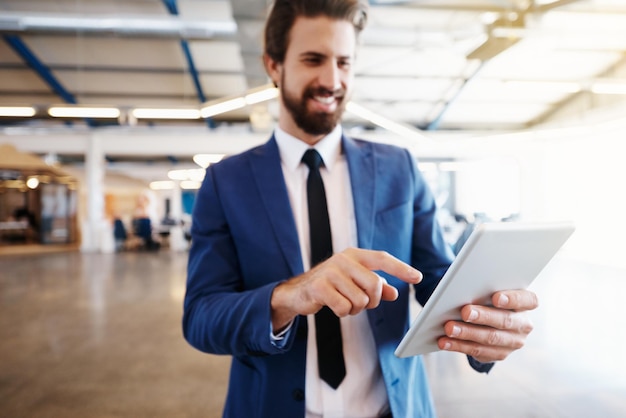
(292, 149)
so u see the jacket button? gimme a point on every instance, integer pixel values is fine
(298, 395)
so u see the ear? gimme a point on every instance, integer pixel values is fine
(272, 68)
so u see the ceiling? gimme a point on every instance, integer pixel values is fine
(432, 65)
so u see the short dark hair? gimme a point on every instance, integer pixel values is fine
(284, 13)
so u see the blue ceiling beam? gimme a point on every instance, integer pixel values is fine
(172, 7)
(434, 124)
(42, 70)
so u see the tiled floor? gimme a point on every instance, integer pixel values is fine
(96, 335)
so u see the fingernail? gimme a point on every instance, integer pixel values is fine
(503, 300)
(456, 330)
(473, 315)
(447, 346)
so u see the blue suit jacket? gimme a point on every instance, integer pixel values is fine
(244, 241)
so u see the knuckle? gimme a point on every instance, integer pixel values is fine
(493, 337)
(508, 322)
(475, 351)
(342, 309)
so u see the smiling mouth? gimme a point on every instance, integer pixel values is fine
(325, 99)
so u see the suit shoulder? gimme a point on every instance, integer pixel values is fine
(234, 161)
(380, 147)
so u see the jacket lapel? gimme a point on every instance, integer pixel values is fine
(268, 177)
(363, 179)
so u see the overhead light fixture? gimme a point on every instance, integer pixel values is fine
(147, 113)
(205, 160)
(608, 87)
(32, 182)
(195, 174)
(263, 95)
(542, 86)
(190, 184)
(162, 185)
(17, 111)
(219, 107)
(84, 112)
(254, 96)
(377, 119)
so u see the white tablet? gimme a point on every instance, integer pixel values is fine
(496, 256)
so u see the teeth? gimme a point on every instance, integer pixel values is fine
(325, 100)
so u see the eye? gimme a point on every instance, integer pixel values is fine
(312, 60)
(344, 63)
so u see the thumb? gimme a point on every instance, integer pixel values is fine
(389, 293)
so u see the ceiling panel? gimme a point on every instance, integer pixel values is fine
(217, 56)
(21, 80)
(111, 52)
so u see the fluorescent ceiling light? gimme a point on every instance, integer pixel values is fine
(223, 107)
(542, 86)
(17, 111)
(190, 184)
(162, 185)
(607, 87)
(377, 119)
(261, 96)
(148, 113)
(205, 160)
(254, 96)
(196, 174)
(83, 112)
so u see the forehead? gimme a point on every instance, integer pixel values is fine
(322, 35)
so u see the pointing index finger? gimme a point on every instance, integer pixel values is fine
(382, 260)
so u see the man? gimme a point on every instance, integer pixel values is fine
(253, 291)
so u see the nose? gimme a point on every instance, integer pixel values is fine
(330, 76)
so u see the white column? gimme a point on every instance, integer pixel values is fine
(177, 238)
(95, 223)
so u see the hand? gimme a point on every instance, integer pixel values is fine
(491, 333)
(346, 283)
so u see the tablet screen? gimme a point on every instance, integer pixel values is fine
(496, 256)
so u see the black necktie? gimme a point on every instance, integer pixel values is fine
(330, 360)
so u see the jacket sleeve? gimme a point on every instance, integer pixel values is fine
(223, 315)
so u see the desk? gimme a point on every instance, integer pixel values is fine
(13, 231)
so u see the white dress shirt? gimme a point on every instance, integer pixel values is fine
(362, 393)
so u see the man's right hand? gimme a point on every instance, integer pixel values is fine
(346, 283)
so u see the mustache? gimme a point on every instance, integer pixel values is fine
(324, 92)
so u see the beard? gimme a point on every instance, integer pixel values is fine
(313, 123)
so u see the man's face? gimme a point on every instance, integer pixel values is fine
(316, 77)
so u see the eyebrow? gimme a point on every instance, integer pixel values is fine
(313, 54)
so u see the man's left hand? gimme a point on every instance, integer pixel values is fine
(491, 333)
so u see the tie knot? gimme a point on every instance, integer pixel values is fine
(312, 159)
